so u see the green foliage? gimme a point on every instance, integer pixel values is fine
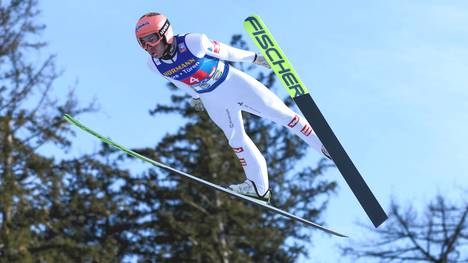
(39, 212)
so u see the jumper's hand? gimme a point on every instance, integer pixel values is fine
(197, 104)
(260, 60)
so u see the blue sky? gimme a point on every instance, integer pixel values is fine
(389, 76)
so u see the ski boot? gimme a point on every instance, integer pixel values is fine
(249, 189)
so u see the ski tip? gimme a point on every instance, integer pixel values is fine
(331, 232)
(252, 16)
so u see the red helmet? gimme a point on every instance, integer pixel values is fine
(154, 33)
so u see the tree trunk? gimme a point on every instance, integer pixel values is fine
(8, 185)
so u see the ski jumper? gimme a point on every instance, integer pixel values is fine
(199, 68)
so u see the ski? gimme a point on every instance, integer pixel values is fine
(299, 93)
(76, 123)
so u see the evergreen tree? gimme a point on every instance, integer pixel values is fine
(50, 210)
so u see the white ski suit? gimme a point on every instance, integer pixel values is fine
(198, 67)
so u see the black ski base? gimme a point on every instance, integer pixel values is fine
(341, 159)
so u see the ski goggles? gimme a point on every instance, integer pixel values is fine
(150, 40)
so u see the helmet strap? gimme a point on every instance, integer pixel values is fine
(170, 50)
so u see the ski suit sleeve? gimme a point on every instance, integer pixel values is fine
(178, 84)
(201, 45)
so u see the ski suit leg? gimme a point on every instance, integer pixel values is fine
(227, 116)
(257, 99)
